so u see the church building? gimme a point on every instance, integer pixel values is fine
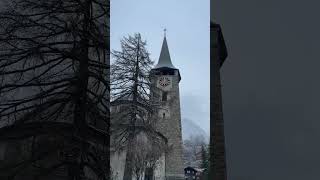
(165, 79)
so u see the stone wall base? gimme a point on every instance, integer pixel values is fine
(175, 177)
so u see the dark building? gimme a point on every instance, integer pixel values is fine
(192, 173)
(218, 55)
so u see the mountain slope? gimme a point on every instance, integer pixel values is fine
(191, 129)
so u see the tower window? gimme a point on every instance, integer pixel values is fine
(164, 115)
(164, 96)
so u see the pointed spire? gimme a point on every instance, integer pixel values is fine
(164, 59)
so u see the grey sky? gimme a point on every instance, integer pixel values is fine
(187, 24)
(271, 88)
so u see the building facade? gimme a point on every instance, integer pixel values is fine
(218, 54)
(165, 79)
(192, 173)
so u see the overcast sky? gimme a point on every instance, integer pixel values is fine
(271, 88)
(187, 24)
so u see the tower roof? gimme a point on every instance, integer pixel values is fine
(164, 59)
(215, 29)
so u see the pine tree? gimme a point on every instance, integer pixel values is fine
(130, 90)
(204, 157)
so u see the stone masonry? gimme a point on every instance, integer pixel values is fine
(169, 124)
(218, 169)
(165, 80)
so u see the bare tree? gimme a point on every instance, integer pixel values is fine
(130, 91)
(139, 157)
(54, 100)
(147, 154)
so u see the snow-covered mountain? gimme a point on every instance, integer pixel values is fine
(191, 129)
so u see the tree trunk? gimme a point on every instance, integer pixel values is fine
(129, 156)
(82, 85)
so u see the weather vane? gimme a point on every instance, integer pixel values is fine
(165, 30)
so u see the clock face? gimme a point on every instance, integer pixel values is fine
(164, 81)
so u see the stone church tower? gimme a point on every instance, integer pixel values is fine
(218, 55)
(165, 80)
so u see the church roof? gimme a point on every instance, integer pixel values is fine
(164, 59)
(126, 99)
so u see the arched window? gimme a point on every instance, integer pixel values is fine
(164, 96)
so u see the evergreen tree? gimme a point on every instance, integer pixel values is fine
(205, 161)
(130, 90)
(204, 157)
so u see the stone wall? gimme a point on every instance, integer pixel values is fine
(217, 139)
(170, 126)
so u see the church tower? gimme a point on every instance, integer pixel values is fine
(165, 80)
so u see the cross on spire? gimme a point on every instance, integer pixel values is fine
(164, 59)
